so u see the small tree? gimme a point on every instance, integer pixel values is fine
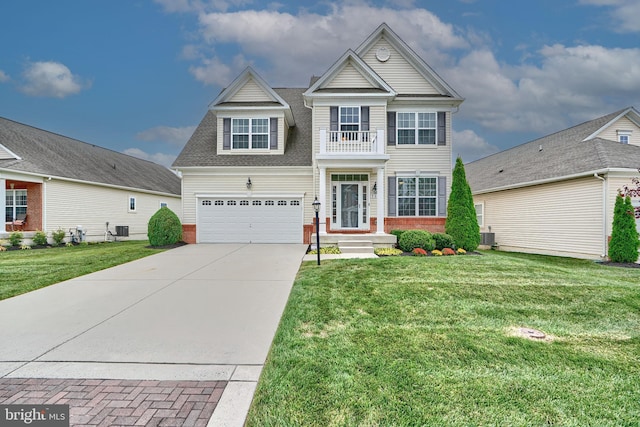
(623, 246)
(164, 228)
(462, 223)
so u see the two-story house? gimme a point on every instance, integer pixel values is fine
(370, 139)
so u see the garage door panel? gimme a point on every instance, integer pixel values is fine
(237, 220)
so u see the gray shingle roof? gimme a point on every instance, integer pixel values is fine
(201, 149)
(49, 154)
(561, 154)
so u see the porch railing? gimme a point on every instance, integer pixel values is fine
(351, 142)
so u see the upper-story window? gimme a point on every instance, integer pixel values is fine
(349, 122)
(416, 128)
(250, 133)
(624, 136)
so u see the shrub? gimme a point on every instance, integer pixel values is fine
(462, 223)
(387, 251)
(461, 251)
(448, 251)
(623, 246)
(397, 233)
(40, 238)
(334, 250)
(419, 252)
(443, 240)
(436, 252)
(411, 239)
(164, 228)
(58, 236)
(15, 238)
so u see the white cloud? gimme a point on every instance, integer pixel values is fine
(50, 79)
(4, 77)
(625, 12)
(173, 135)
(159, 158)
(215, 72)
(470, 146)
(295, 47)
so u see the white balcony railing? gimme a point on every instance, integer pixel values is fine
(351, 142)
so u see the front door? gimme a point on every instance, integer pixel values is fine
(353, 212)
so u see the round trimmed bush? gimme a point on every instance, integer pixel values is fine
(164, 228)
(411, 239)
(443, 240)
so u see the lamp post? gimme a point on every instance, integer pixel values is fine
(316, 207)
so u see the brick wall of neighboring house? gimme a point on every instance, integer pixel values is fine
(189, 233)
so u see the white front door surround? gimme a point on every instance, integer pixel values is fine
(347, 204)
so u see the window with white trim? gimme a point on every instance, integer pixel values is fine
(349, 122)
(250, 134)
(132, 204)
(416, 128)
(15, 204)
(624, 136)
(417, 196)
(163, 205)
(479, 213)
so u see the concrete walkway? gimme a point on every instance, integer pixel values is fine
(204, 313)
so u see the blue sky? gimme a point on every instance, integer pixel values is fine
(137, 76)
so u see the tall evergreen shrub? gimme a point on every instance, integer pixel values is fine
(623, 246)
(462, 223)
(164, 228)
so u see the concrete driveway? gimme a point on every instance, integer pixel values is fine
(198, 312)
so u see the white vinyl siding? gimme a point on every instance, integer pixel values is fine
(397, 72)
(349, 77)
(233, 180)
(563, 218)
(623, 124)
(251, 92)
(94, 206)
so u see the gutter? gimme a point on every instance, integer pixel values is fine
(604, 214)
(545, 181)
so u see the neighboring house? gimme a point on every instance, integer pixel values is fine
(370, 139)
(555, 195)
(63, 183)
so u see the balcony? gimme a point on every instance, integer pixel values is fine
(351, 144)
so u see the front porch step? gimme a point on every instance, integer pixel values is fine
(376, 240)
(355, 246)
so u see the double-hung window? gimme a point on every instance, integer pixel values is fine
(250, 133)
(349, 123)
(416, 128)
(15, 204)
(624, 136)
(417, 196)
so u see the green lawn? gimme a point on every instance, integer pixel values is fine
(428, 341)
(26, 270)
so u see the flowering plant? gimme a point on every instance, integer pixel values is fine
(436, 252)
(419, 252)
(461, 251)
(448, 251)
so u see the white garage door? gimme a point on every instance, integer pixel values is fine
(255, 220)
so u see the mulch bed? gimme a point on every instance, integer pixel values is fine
(620, 264)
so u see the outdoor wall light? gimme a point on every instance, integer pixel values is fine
(374, 190)
(249, 184)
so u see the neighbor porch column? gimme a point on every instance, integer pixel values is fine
(322, 197)
(380, 201)
(3, 202)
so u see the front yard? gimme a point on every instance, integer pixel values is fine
(27, 270)
(433, 341)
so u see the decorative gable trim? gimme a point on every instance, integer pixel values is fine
(6, 154)
(350, 57)
(631, 113)
(223, 100)
(410, 56)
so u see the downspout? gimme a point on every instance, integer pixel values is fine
(604, 214)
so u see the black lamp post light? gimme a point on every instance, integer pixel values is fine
(316, 207)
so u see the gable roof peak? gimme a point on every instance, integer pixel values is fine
(384, 31)
(630, 112)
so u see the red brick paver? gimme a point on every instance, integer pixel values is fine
(120, 402)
